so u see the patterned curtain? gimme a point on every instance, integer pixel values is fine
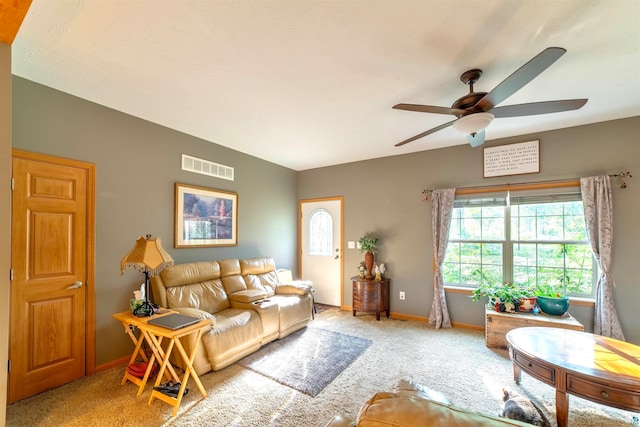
(441, 209)
(598, 213)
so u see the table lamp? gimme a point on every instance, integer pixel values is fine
(149, 257)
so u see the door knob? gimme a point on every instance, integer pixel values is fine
(75, 285)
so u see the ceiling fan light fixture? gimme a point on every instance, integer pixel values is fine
(473, 123)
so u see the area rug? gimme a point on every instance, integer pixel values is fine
(320, 308)
(307, 360)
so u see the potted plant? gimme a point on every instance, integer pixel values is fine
(550, 301)
(528, 303)
(502, 297)
(368, 245)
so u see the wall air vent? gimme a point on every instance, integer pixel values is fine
(205, 167)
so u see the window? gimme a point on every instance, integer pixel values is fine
(476, 242)
(320, 233)
(525, 238)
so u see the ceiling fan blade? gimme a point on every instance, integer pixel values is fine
(423, 134)
(520, 77)
(476, 140)
(428, 109)
(535, 108)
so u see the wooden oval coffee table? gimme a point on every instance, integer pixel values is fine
(596, 368)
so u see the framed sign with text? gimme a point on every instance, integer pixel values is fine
(512, 159)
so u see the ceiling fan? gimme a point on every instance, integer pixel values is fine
(476, 110)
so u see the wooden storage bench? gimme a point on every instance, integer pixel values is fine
(498, 324)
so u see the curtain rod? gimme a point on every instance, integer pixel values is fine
(530, 185)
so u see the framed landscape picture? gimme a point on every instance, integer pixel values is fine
(205, 217)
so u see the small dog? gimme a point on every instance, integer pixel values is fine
(519, 408)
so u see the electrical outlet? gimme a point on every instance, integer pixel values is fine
(402, 295)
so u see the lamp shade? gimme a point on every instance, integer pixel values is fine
(147, 255)
(473, 123)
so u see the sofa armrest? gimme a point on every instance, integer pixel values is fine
(196, 312)
(406, 387)
(247, 296)
(295, 287)
(392, 409)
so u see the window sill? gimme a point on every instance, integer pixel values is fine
(577, 301)
(458, 289)
(585, 302)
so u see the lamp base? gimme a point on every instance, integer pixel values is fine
(145, 309)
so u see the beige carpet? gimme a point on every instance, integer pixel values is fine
(455, 361)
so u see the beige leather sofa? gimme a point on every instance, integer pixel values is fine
(249, 307)
(410, 404)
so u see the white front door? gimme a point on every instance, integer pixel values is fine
(321, 248)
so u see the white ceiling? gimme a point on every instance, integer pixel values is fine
(311, 83)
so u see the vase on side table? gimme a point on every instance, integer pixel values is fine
(368, 262)
(368, 245)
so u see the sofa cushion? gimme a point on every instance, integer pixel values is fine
(237, 333)
(233, 284)
(230, 273)
(208, 296)
(193, 272)
(294, 312)
(167, 286)
(229, 267)
(257, 265)
(265, 282)
(260, 273)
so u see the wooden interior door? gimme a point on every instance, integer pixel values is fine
(51, 205)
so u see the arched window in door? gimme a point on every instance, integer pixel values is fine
(320, 233)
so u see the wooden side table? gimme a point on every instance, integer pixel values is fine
(130, 322)
(155, 335)
(371, 295)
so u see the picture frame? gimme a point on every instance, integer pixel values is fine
(204, 217)
(511, 159)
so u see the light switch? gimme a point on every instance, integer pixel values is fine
(351, 245)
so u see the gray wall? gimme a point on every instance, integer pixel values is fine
(137, 164)
(384, 196)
